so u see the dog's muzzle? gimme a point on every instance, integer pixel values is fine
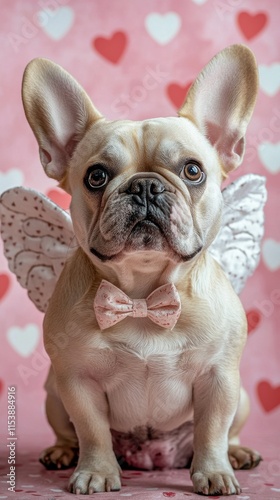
(145, 213)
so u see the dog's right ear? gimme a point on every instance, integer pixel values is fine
(221, 101)
(59, 112)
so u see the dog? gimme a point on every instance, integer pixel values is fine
(149, 375)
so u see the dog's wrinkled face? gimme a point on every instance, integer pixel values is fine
(151, 185)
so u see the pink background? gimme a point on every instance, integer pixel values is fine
(172, 50)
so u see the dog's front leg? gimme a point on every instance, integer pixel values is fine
(215, 398)
(86, 404)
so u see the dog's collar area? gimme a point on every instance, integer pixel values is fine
(111, 305)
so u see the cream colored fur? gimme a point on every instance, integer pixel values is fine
(136, 373)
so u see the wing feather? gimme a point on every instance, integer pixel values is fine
(38, 238)
(237, 247)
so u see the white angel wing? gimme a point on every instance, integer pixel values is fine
(38, 238)
(237, 246)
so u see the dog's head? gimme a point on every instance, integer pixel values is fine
(144, 186)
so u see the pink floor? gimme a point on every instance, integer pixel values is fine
(33, 481)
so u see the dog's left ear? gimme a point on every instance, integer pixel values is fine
(221, 101)
(59, 112)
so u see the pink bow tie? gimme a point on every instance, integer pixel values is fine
(111, 305)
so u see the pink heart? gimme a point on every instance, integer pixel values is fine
(177, 93)
(253, 319)
(269, 395)
(111, 48)
(251, 24)
(60, 198)
(4, 285)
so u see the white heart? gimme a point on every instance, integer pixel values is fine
(11, 178)
(56, 24)
(275, 489)
(199, 2)
(271, 254)
(270, 78)
(163, 27)
(24, 340)
(269, 155)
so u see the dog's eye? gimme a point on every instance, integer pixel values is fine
(96, 177)
(192, 172)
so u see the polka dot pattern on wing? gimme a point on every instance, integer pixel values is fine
(38, 238)
(237, 247)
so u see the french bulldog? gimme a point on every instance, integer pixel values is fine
(147, 371)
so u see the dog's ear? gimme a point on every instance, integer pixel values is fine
(221, 100)
(59, 112)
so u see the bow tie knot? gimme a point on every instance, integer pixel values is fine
(139, 308)
(111, 305)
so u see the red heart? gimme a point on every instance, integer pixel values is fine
(4, 285)
(168, 494)
(253, 319)
(111, 48)
(251, 24)
(177, 93)
(269, 396)
(60, 198)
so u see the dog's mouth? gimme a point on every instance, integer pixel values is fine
(106, 258)
(146, 235)
(147, 229)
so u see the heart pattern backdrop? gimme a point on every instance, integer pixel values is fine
(137, 60)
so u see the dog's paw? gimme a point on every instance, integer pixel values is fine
(59, 457)
(218, 483)
(88, 482)
(243, 458)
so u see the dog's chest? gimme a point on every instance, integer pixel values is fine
(147, 382)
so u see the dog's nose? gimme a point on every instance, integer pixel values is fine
(143, 190)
